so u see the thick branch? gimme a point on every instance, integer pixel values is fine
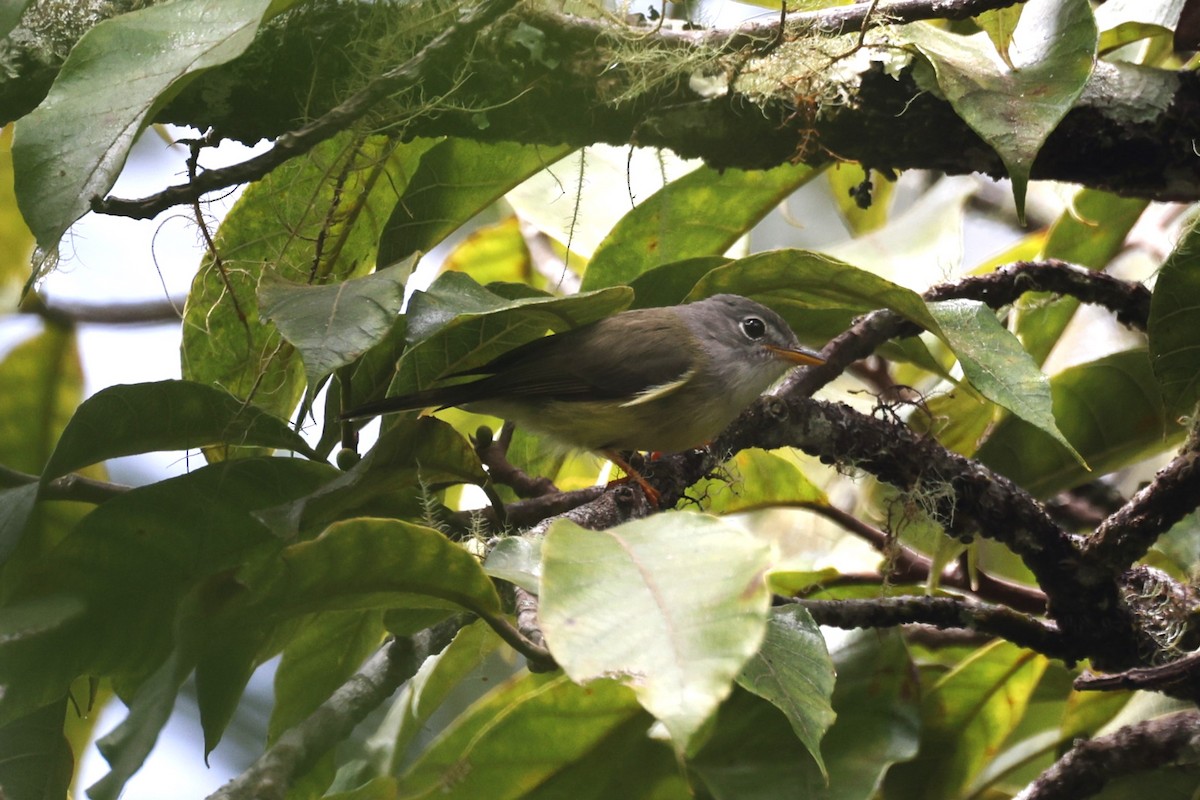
(271, 776)
(1128, 534)
(1131, 132)
(1173, 740)
(1129, 301)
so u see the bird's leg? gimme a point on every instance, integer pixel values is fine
(652, 495)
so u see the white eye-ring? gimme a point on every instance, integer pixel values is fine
(753, 327)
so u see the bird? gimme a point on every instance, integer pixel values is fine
(655, 379)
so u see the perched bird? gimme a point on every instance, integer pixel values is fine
(662, 379)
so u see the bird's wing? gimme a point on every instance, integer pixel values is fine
(604, 361)
(635, 360)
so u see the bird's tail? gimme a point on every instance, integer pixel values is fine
(438, 397)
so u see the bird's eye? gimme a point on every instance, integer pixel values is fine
(753, 327)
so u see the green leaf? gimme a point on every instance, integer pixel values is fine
(458, 324)
(1176, 783)
(995, 363)
(130, 562)
(674, 606)
(41, 383)
(366, 563)
(1089, 234)
(357, 565)
(314, 220)
(670, 284)
(127, 745)
(700, 214)
(1085, 713)
(960, 420)
(752, 754)
(329, 648)
(30, 618)
(648, 770)
(518, 560)
(380, 788)
(333, 325)
(1015, 109)
(999, 24)
(16, 240)
(817, 295)
(1110, 409)
(878, 723)
(37, 761)
(457, 178)
(411, 459)
(789, 581)
(497, 253)
(1174, 339)
(165, 415)
(967, 717)
(116, 77)
(485, 752)
(1124, 21)
(794, 672)
(755, 479)
(16, 507)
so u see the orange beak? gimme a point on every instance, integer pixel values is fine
(805, 357)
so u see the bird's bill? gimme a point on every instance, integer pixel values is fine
(798, 356)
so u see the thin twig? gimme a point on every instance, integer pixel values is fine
(73, 487)
(1164, 677)
(537, 655)
(944, 612)
(452, 42)
(906, 565)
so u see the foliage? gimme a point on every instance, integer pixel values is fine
(685, 650)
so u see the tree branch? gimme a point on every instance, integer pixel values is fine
(1128, 534)
(1129, 301)
(1130, 132)
(535, 651)
(906, 565)
(72, 487)
(524, 513)
(448, 46)
(272, 775)
(1171, 740)
(148, 312)
(943, 612)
